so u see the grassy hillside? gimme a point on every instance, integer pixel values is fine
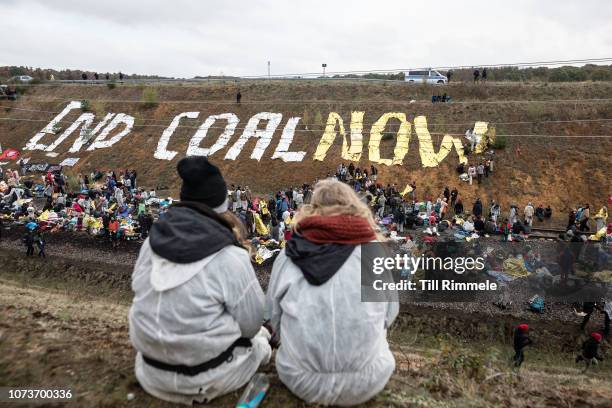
(557, 171)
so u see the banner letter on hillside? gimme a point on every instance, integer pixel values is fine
(264, 136)
(162, 152)
(84, 135)
(429, 157)
(353, 152)
(33, 143)
(194, 148)
(282, 150)
(401, 145)
(101, 143)
(86, 119)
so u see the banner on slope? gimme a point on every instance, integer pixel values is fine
(262, 127)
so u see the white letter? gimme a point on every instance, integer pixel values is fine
(282, 150)
(194, 148)
(86, 119)
(33, 143)
(100, 143)
(76, 146)
(161, 152)
(264, 136)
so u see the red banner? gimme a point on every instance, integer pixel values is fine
(9, 154)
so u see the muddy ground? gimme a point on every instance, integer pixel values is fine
(63, 322)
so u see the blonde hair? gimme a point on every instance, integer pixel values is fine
(239, 230)
(331, 197)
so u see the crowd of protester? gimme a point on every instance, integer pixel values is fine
(111, 205)
(107, 204)
(397, 210)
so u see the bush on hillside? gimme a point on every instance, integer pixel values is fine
(149, 98)
(111, 85)
(85, 105)
(499, 143)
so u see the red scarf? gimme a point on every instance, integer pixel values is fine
(338, 229)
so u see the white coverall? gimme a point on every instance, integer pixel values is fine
(334, 347)
(191, 313)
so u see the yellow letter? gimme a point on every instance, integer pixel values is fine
(480, 128)
(403, 139)
(429, 157)
(353, 152)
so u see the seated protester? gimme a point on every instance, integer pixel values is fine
(479, 226)
(333, 347)
(411, 219)
(539, 213)
(506, 230)
(196, 319)
(518, 228)
(548, 212)
(468, 226)
(490, 227)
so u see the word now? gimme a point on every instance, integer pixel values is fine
(99, 136)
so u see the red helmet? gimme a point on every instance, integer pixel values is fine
(596, 336)
(523, 327)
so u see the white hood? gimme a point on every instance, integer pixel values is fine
(166, 274)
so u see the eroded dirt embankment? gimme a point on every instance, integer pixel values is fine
(82, 264)
(63, 322)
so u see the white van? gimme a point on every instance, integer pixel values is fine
(429, 76)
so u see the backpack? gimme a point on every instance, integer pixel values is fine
(536, 304)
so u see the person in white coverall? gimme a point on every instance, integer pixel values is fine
(529, 211)
(333, 347)
(196, 319)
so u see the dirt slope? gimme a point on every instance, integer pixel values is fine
(561, 172)
(51, 338)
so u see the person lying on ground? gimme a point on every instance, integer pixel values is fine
(333, 347)
(197, 314)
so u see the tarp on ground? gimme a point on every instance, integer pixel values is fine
(515, 267)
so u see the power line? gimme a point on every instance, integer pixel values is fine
(319, 131)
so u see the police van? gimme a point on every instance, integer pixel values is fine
(430, 76)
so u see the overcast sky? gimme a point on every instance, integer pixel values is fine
(184, 38)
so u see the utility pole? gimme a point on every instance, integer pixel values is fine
(324, 66)
(268, 69)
